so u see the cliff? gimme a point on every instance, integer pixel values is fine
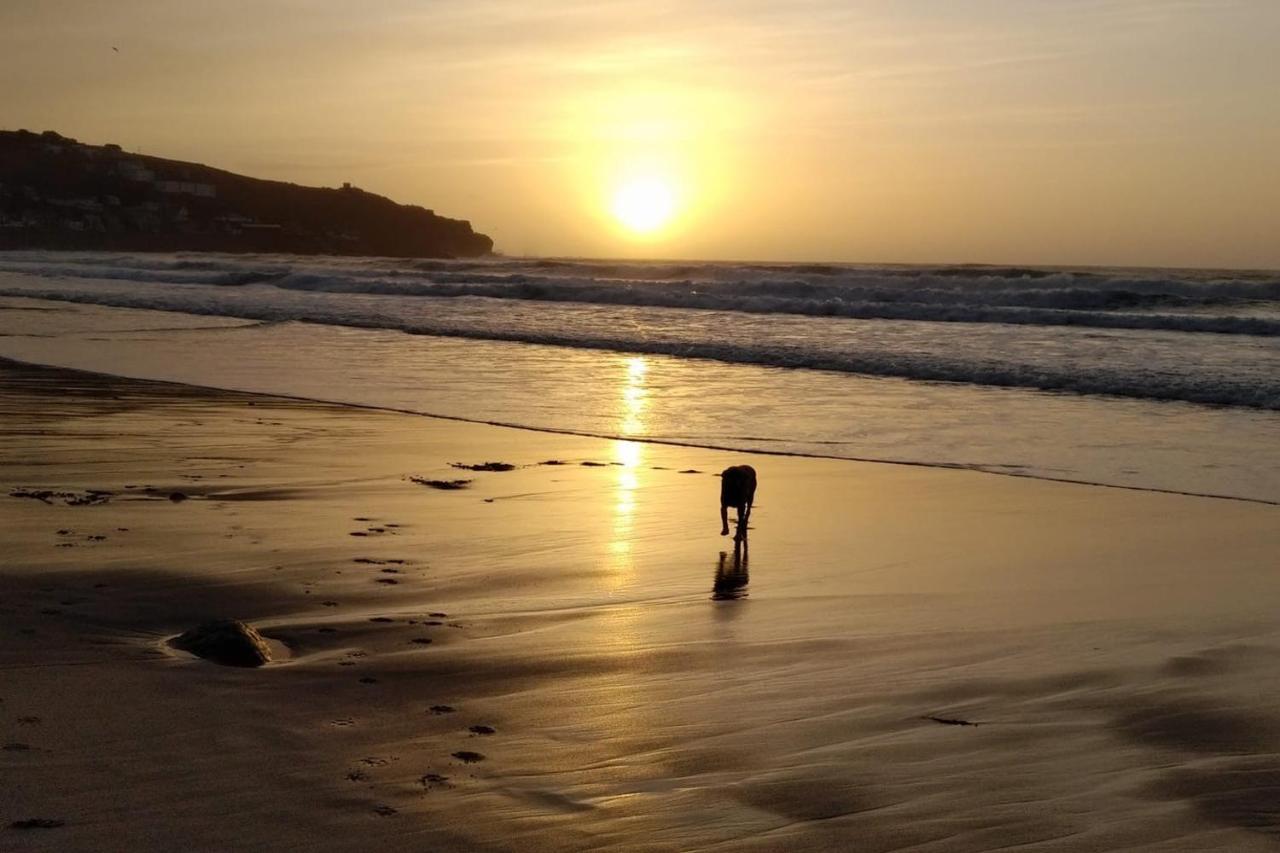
(58, 193)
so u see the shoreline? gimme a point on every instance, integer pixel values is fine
(942, 466)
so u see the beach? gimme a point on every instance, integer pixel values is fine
(640, 428)
(569, 657)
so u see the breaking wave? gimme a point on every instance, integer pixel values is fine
(1060, 306)
(1190, 301)
(1194, 336)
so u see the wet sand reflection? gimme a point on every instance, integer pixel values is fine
(628, 456)
(732, 577)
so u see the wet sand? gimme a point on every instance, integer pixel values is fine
(569, 657)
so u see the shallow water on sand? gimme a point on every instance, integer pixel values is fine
(1126, 442)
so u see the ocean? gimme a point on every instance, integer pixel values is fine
(1135, 378)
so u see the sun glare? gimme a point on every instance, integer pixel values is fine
(643, 205)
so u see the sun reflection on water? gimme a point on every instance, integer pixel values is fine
(634, 397)
(628, 456)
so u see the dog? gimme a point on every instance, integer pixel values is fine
(737, 489)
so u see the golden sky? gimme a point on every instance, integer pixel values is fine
(1005, 131)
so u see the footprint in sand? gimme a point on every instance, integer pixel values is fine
(442, 709)
(433, 780)
(37, 823)
(344, 722)
(368, 679)
(421, 641)
(382, 619)
(466, 756)
(482, 730)
(948, 721)
(386, 581)
(483, 466)
(29, 721)
(357, 776)
(385, 811)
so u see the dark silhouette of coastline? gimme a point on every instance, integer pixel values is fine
(58, 193)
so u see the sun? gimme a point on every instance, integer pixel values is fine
(643, 205)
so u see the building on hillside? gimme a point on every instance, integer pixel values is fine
(132, 170)
(187, 188)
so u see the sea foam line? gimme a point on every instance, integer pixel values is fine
(1185, 386)
(950, 295)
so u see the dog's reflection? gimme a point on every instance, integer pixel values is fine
(732, 578)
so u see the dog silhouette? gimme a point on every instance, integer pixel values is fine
(737, 489)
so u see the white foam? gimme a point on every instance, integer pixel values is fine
(1088, 332)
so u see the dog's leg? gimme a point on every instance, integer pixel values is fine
(724, 520)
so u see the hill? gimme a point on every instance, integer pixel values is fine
(58, 193)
